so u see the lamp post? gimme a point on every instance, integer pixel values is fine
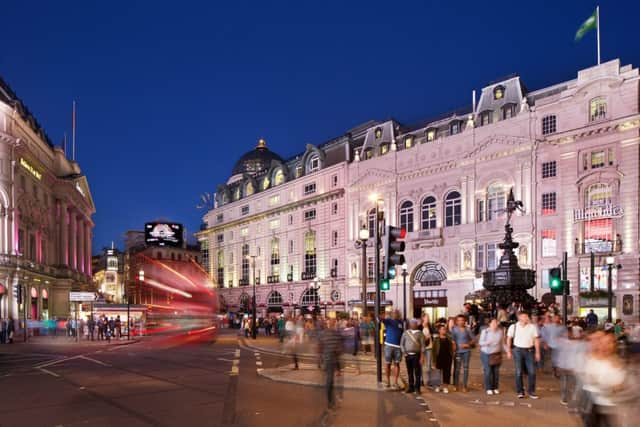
(254, 326)
(379, 218)
(363, 236)
(404, 292)
(141, 279)
(610, 261)
(315, 285)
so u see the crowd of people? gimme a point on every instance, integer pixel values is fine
(592, 374)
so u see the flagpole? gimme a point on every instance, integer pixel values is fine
(73, 131)
(598, 30)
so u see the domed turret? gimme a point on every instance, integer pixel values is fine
(255, 161)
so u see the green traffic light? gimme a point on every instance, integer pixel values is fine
(384, 285)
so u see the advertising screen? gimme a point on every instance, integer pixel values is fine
(163, 234)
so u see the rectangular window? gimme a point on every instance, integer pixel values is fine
(492, 256)
(244, 210)
(597, 159)
(290, 246)
(549, 169)
(545, 278)
(309, 188)
(371, 269)
(274, 200)
(480, 258)
(485, 118)
(612, 156)
(334, 238)
(290, 219)
(274, 223)
(548, 243)
(431, 135)
(549, 203)
(244, 232)
(334, 180)
(220, 238)
(219, 218)
(481, 211)
(310, 215)
(549, 124)
(334, 209)
(455, 128)
(597, 109)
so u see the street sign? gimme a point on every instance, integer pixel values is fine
(82, 296)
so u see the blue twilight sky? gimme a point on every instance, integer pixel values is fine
(170, 93)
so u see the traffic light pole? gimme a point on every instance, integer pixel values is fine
(565, 289)
(376, 340)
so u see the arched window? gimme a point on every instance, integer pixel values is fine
(452, 209)
(279, 177)
(248, 189)
(496, 201)
(354, 270)
(310, 253)
(310, 297)
(428, 219)
(274, 299)
(431, 135)
(245, 302)
(406, 216)
(498, 92)
(265, 183)
(313, 163)
(236, 194)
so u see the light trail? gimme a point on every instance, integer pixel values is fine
(159, 285)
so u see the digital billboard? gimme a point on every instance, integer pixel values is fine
(163, 234)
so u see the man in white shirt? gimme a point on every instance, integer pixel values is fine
(523, 344)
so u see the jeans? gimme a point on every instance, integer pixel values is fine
(414, 371)
(567, 383)
(427, 367)
(523, 356)
(461, 359)
(491, 373)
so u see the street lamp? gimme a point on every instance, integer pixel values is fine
(363, 236)
(379, 218)
(315, 285)
(404, 292)
(254, 326)
(141, 279)
(610, 260)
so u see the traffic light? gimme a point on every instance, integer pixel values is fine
(384, 285)
(555, 281)
(393, 248)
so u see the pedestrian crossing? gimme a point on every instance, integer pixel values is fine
(13, 363)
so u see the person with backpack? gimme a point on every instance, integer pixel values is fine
(464, 341)
(523, 337)
(412, 347)
(491, 343)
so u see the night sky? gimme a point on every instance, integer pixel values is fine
(170, 93)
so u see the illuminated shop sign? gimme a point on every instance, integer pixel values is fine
(32, 170)
(597, 212)
(163, 234)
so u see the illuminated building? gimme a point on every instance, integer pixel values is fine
(569, 151)
(45, 218)
(108, 275)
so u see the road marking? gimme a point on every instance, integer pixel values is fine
(225, 360)
(46, 371)
(237, 352)
(94, 360)
(424, 404)
(235, 370)
(54, 362)
(258, 363)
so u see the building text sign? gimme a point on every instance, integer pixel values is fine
(597, 212)
(29, 167)
(82, 296)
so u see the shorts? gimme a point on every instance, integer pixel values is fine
(392, 354)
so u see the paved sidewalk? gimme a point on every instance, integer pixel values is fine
(62, 341)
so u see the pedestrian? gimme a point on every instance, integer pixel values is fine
(491, 345)
(412, 345)
(427, 331)
(553, 330)
(100, 328)
(592, 320)
(392, 353)
(118, 326)
(11, 330)
(91, 324)
(524, 338)
(442, 352)
(464, 340)
(3, 331)
(280, 328)
(331, 343)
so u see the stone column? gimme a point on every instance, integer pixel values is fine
(87, 239)
(80, 244)
(73, 239)
(63, 232)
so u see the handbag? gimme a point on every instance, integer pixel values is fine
(495, 359)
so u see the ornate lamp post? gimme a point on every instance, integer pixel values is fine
(404, 292)
(254, 325)
(610, 267)
(363, 238)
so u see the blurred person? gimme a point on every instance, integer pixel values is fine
(118, 325)
(280, 328)
(576, 330)
(464, 340)
(592, 320)
(330, 345)
(451, 323)
(604, 380)
(553, 330)
(367, 329)
(412, 346)
(427, 331)
(3, 330)
(523, 335)
(392, 353)
(101, 327)
(491, 346)
(442, 352)
(91, 325)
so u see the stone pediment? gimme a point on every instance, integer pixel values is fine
(494, 144)
(373, 176)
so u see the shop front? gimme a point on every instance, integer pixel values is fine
(430, 302)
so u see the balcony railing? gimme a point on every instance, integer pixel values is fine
(243, 282)
(598, 247)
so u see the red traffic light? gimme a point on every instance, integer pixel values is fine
(403, 233)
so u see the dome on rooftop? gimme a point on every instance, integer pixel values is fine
(255, 161)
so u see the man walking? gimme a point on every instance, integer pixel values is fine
(463, 339)
(392, 354)
(330, 349)
(412, 345)
(592, 320)
(523, 336)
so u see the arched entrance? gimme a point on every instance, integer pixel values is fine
(310, 302)
(245, 303)
(274, 302)
(429, 295)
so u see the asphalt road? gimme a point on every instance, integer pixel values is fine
(173, 381)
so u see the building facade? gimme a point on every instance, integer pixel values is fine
(108, 275)
(45, 218)
(569, 152)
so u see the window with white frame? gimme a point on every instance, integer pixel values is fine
(219, 218)
(245, 263)
(549, 124)
(220, 238)
(496, 201)
(548, 243)
(597, 109)
(549, 169)
(493, 256)
(274, 224)
(310, 215)
(244, 210)
(428, 218)
(334, 238)
(453, 209)
(275, 257)
(549, 203)
(313, 164)
(480, 257)
(310, 253)
(371, 222)
(309, 188)
(406, 216)
(244, 231)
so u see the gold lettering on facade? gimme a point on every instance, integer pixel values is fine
(33, 171)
